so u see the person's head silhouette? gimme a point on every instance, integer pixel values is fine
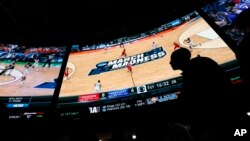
(206, 94)
(205, 85)
(179, 58)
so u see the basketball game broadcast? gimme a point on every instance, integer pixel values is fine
(29, 71)
(140, 60)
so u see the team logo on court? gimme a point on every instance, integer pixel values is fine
(137, 59)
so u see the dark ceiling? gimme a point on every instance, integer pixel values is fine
(81, 22)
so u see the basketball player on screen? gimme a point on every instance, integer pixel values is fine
(98, 86)
(26, 68)
(129, 67)
(8, 69)
(124, 53)
(191, 43)
(176, 46)
(3, 71)
(122, 44)
(35, 65)
(48, 61)
(66, 73)
(23, 78)
(154, 45)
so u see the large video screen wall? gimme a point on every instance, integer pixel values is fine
(97, 74)
(120, 74)
(28, 75)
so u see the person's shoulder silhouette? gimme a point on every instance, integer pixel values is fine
(203, 78)
(206, 94)
(207, 85)
(203, 73)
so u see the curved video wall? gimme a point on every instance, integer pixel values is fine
(137, 68)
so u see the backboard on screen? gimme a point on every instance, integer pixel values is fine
(224, 13)
(28, 75)
(138, 67)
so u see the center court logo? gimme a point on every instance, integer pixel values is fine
(133, 60)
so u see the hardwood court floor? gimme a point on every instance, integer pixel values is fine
(6, 78)
(34, 78)
(80, 83)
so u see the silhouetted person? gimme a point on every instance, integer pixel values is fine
(242, 52)
(180, 58)
(206, 97)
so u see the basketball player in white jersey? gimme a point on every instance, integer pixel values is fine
(35, 65)
(98, 86)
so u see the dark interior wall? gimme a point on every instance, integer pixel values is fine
(88, 22)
